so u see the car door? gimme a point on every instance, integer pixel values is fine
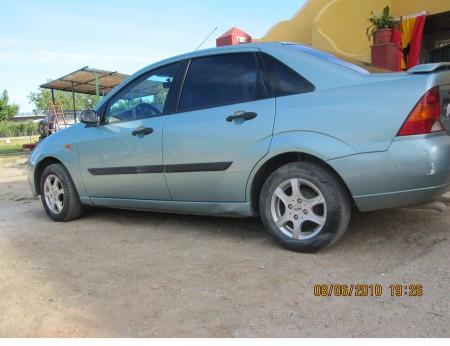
(223, 127)
(122, 158)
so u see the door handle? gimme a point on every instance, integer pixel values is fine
(244, 116)
(142, 131)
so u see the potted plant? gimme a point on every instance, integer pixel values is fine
(381, 26)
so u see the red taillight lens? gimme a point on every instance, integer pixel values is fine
(425, 117)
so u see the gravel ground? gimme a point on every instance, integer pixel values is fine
(134, 274)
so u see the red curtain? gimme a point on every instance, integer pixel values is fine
(416, 42)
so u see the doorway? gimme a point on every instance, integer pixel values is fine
(436, 45)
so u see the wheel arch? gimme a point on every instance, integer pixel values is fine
(40, 167)
(279, 160)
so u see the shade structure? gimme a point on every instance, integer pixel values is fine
(86, 80)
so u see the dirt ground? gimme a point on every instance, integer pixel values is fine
(134, 274)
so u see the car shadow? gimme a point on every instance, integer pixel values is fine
(372, 229)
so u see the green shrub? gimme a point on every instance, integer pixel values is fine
(13, 129)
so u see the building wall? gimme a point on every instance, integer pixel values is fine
(405, 7)
(339, 26)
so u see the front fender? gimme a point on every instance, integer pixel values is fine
(316, 144)
(53, 149)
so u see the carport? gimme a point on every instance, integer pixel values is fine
(86, 80)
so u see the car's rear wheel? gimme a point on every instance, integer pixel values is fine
(305, 207)
(59, 195)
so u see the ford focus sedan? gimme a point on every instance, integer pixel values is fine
(275, 130)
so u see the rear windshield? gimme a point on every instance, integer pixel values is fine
(355, 65)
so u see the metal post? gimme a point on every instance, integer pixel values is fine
(97, 89)
(74, 108)
(49, 120)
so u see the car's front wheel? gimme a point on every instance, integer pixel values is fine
(59, 195)
(305, 207)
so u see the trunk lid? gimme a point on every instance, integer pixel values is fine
(430, 68)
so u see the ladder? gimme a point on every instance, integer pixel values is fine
(55, 118)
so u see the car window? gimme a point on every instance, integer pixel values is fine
(144, 98)
(221, 79)
(283, 80)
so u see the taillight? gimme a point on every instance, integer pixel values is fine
(425, 117)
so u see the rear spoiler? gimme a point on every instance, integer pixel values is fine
(430, 68)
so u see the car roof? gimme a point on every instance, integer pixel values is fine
(212, 51)
(234, 48)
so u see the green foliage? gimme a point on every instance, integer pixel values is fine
(43, 97)
(7, 111)
(15, 145)
(13, 129)
(157, 99)
(10, 149)
(123, 105)
(161, 96)
(383, 20)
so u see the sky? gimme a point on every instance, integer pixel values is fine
(46, 39)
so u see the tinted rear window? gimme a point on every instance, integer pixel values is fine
(219, 80)
(282, 79)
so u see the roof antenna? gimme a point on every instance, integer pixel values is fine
(206, 39)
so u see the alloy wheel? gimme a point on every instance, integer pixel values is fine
(54, 194)
(298, 209)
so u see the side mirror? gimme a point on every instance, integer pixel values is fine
(89, 117)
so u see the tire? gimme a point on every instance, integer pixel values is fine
(43, 132)
(67, 206)
(313, 221)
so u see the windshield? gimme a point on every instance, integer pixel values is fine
(355, 65)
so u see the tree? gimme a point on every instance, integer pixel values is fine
(7, 111)
(43, 97)
(161, 96)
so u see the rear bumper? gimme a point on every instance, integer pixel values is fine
(400, 198)
(414, 170)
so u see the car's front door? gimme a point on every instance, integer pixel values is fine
(122, 158)
(223, 127)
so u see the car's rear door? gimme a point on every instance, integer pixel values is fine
(222, 128)
(122, 158)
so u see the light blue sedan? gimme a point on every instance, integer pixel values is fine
(278, 130)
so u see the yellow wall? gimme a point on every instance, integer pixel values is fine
(339, 26)
(297, 29)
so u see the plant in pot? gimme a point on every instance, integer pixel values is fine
(381, 26)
